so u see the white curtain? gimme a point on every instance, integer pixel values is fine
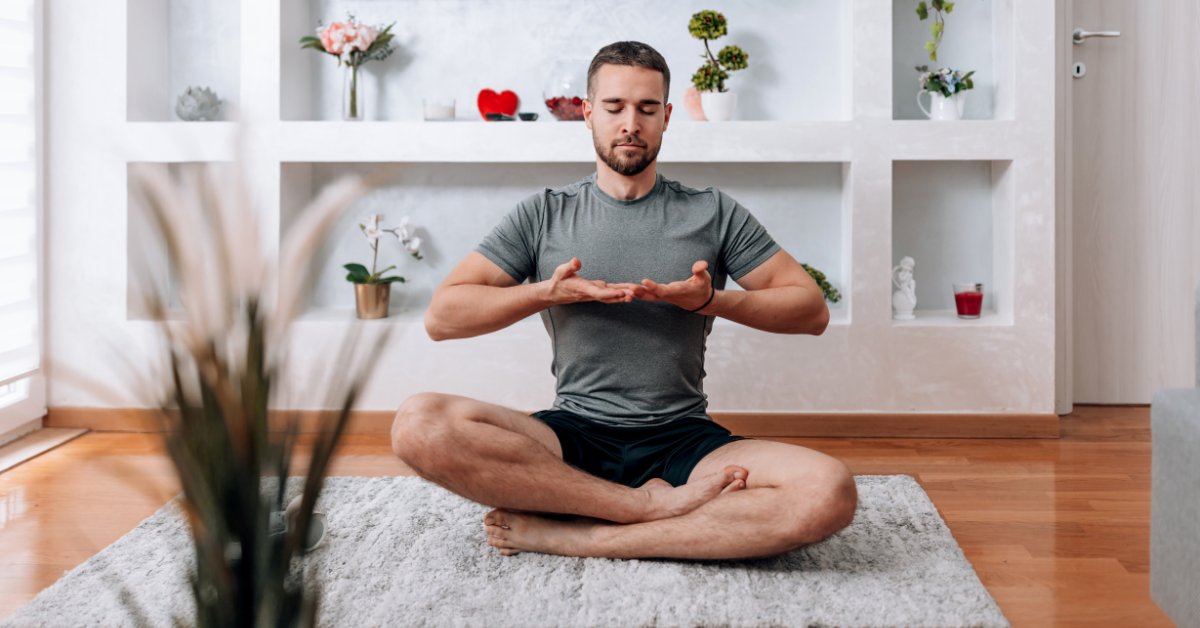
(21, 396)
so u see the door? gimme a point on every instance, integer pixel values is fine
(1132, 232)
(22, 391)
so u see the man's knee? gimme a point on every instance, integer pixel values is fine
(830, 499)
(421, 423)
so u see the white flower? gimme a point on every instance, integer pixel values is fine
(403, 230)
(413, 245)
(371, 227)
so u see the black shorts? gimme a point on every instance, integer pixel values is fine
(634, 455)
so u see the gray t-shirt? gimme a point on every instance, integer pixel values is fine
(639, 363)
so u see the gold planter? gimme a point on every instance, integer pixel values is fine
(371, 299)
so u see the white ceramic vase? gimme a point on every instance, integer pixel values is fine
(718, 106)
(942, 108)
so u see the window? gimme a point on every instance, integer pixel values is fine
(21, 395)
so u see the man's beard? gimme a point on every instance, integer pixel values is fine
(626, 166)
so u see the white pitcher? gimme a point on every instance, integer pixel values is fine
(942, 108)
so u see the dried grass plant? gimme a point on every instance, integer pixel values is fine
(223, 363)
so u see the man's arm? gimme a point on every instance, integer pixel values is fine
(478, 297)
(779, 297)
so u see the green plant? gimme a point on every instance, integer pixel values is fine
(371, 230)
(939, 23)
(944, 81)
(831, 293)
(223, 366)
(711, 76)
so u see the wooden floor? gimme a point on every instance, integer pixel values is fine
(1058, 530)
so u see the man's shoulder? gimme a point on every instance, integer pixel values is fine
(555, 197)
(570, 190)
(710, 197)
(675, 187)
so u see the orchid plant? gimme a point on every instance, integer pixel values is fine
(353, 44)
(403, 232)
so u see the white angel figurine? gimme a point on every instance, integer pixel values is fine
(904, 299)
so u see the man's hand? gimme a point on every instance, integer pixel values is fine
(565, 287)
(688, 294)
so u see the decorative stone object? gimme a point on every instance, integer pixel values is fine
(198, 103)
(904, 299)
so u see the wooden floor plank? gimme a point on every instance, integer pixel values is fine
(1058, 530)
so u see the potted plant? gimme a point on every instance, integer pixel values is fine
(371, 288)
(945, 86)
(717, 102)
(353, 44)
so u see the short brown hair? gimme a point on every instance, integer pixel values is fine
(631, 53)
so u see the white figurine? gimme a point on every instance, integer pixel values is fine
(904, 300)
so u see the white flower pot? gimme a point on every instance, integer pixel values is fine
(942, 108)
(718, 106)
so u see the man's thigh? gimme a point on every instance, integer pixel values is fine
(768, 463)
(499, 416)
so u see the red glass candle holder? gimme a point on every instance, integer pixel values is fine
(968, 299)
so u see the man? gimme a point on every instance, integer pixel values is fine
(628, 448)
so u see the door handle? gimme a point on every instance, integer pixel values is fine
(1080, 35)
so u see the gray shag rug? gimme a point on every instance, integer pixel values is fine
(403, 551)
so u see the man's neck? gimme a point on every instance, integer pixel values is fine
(626, 188)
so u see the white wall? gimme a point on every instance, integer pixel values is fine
(830, 186)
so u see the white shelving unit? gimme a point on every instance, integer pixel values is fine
(1001, 363)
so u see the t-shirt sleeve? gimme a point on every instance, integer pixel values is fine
(745, 242)
(513, 243)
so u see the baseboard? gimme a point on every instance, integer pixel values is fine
(775, 424)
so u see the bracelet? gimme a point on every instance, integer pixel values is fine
(710, 298)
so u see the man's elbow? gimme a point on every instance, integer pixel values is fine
(434, 327)
(819, 321)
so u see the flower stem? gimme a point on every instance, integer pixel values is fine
(354, 96)
(374, 255)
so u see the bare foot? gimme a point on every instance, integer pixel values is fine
(512, 533)
(679, 500)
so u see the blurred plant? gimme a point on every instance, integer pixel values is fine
(405, 234)
(711, 76)
(831, 293)
(224, 368)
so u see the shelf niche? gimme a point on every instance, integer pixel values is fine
(955, 219)
(524, 45)
(175, 44)
(978, 36)
(454, 205)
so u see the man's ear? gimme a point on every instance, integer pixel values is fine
(587, 112)
(667, 115)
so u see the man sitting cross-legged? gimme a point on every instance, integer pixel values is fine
(627, 271)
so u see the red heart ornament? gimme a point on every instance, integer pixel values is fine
(490, 102)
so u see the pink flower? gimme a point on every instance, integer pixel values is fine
(333, 38)
(363, 37)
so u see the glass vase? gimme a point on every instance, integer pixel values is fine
(352, 100)
(566, 88)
